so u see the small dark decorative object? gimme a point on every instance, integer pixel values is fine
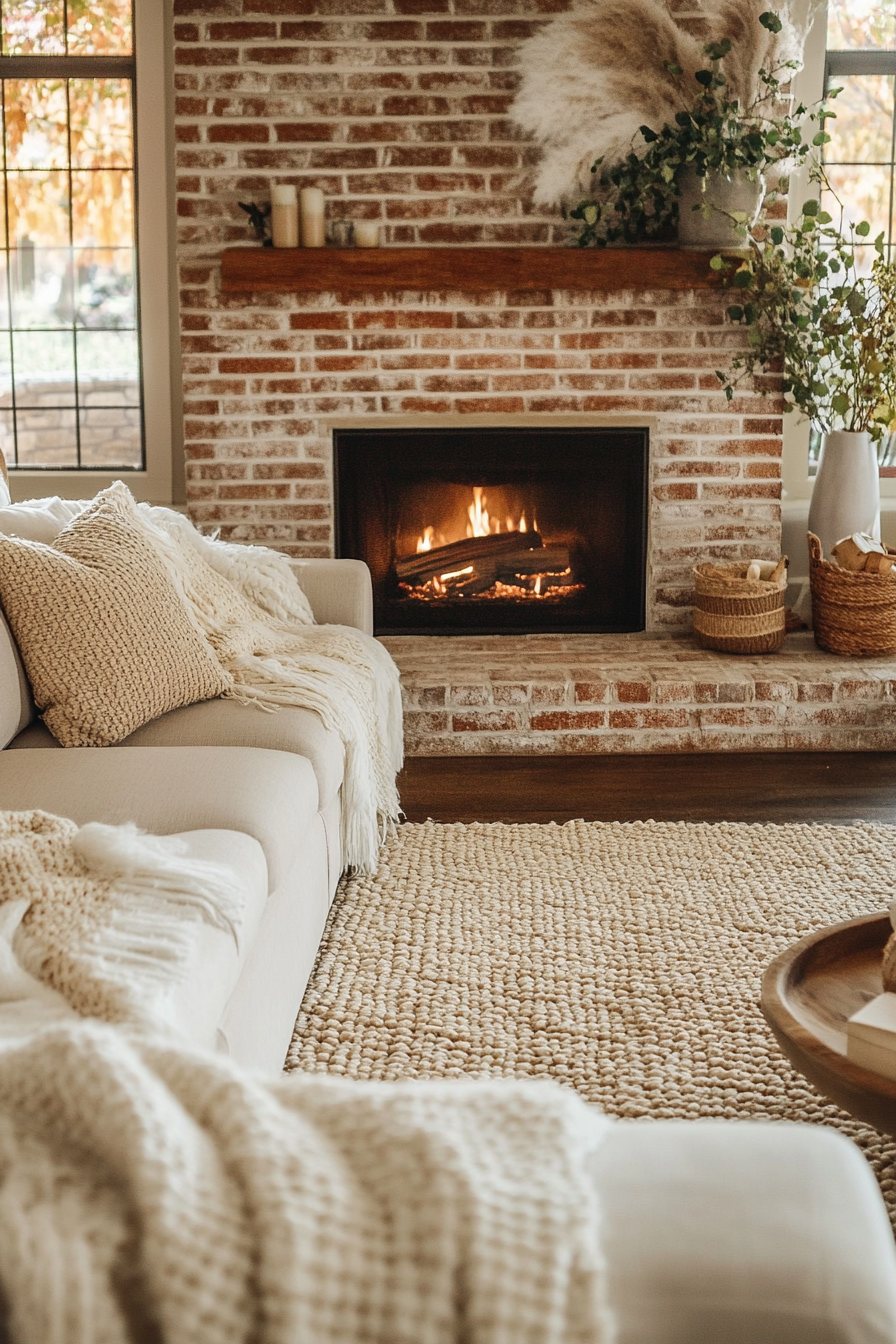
(258, 218)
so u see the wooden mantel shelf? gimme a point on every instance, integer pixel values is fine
(473, 269)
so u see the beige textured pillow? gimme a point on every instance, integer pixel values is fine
(105, 638)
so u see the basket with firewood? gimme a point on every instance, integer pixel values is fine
(854, 597)
(739, 608)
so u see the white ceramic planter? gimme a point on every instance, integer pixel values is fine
(846, 497)
(727, 196)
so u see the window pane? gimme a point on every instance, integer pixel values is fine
(858, 24)
(864, 191)
(36, 123)
(101, 123)
(33, 27)
(863, 129)
(72, 353)
(5, 371)
(44, 367)
(7, 437)
(111, 437)
(4, 303)
(103, 208)
(38, 209)
(41, 282)
(100, 28)
(104, 280)
(108, 368)
(47, 438)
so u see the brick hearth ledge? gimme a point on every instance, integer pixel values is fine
(579, 694)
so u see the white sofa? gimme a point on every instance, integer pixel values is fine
(714, 1233)
(261, 789)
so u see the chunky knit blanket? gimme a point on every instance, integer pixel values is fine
(150, 1192)
(251, 609)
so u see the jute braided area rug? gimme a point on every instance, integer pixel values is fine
(621, 959)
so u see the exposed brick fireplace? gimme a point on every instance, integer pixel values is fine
(497, 529)
(398, 110)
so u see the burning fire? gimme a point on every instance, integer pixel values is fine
(480, 523)
(512, 566)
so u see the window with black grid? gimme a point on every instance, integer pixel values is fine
(70, 379)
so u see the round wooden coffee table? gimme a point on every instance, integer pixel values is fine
(808, 993)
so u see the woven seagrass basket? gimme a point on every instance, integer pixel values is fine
(852, 613)
(735, 614)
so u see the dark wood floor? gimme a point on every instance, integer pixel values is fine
(835, 787)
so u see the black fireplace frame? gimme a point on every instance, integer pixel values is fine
(595, 452)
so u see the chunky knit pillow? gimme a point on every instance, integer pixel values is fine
(106, 641)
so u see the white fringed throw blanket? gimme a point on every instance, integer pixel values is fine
(149, 1192)
(105, 916)
(249, 605)
(248, 602)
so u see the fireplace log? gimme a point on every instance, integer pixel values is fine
(546, 560)
(457, 555)
(512, 567)
(470, 585)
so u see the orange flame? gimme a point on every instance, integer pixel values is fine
(480, 523)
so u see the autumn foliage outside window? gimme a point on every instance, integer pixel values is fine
(70, 385)
(860, 160)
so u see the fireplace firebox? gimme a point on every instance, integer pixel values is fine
(496, 530)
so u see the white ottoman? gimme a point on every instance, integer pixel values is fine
(744, 1233)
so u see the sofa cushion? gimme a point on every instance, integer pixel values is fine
(16, 705)
(195, 1005)
(271, 795)
(227, 723)
(738, 1233)
(105, 638)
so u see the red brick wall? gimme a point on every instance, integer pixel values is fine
(398, 110)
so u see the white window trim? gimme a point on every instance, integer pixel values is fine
(808, 88)
(162, 481)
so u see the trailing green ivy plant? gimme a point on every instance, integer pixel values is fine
(637, 199)
(811, 314)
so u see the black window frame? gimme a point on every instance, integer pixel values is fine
(64, 67)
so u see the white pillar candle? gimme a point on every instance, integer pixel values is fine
(312, 212)
(284, 216)
(367, 233)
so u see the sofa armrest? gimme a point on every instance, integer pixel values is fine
(340, 591)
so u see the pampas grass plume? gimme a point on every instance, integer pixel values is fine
(596, 74)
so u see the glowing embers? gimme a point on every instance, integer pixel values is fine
(488, 565)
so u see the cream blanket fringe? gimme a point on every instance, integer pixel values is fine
(106, 916)
(251, 609)
(152, 1192)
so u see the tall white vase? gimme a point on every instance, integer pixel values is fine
(846, 497)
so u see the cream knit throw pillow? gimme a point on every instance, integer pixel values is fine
(105, 638)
